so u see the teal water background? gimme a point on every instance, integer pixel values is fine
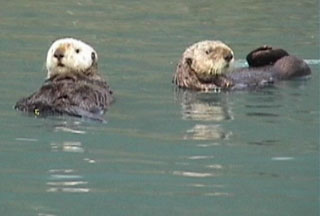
(163, 151)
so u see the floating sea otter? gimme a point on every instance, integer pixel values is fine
(73, 84)
(206, 66)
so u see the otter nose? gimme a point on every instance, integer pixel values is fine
(228, 57)
(59, 54)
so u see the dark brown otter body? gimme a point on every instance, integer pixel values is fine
(267, 66)
(72, 93)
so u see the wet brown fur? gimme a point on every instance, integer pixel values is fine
(185, 77)
(71, 93)
(203, 66)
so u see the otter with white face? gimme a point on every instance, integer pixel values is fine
(73, 84)
(201, 63)
(71, 55)
(205, 64)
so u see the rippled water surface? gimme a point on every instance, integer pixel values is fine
(162, 151)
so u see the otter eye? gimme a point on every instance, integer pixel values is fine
(93, 56)
(189, 61)
(77, 50)
(208, 51)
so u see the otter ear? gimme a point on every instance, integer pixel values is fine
(189, 61)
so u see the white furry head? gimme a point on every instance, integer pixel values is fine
(68, 54)
(209, 58)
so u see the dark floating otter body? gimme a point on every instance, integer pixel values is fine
(73, 94)
(285, 68)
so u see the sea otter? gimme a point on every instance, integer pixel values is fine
(206, 66)
(73, 86)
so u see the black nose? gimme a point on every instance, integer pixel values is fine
(228, 57)
(59, 54)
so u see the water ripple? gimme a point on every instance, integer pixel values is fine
(68, 146)
(74, 183)
(44, 214)
(69, 130)
(200, 157)
(282, 158)
(193, 174)
(26, 139)
(65, 180)
(215, 166)
(262, 114)
(217, 194)
(70, 190)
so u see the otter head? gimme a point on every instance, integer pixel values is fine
(207, 59)
(71, 55)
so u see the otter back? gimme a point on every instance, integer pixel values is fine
(71, 94)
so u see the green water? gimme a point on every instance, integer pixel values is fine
(163, 151)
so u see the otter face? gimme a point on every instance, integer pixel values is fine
(209, 59)
(69, 54)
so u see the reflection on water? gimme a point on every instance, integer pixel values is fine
(67, 146)
(207, 132)
(193, 174)
(215, 166)
(282, 158)
(23, 139)
(67, 180)
(209, 109)
(200, 157)
(69, 127)
(267, 142)
(209, 190)
(203, 111)
(66, 129)
(203, 177)
(44, 214)
(202, 106)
